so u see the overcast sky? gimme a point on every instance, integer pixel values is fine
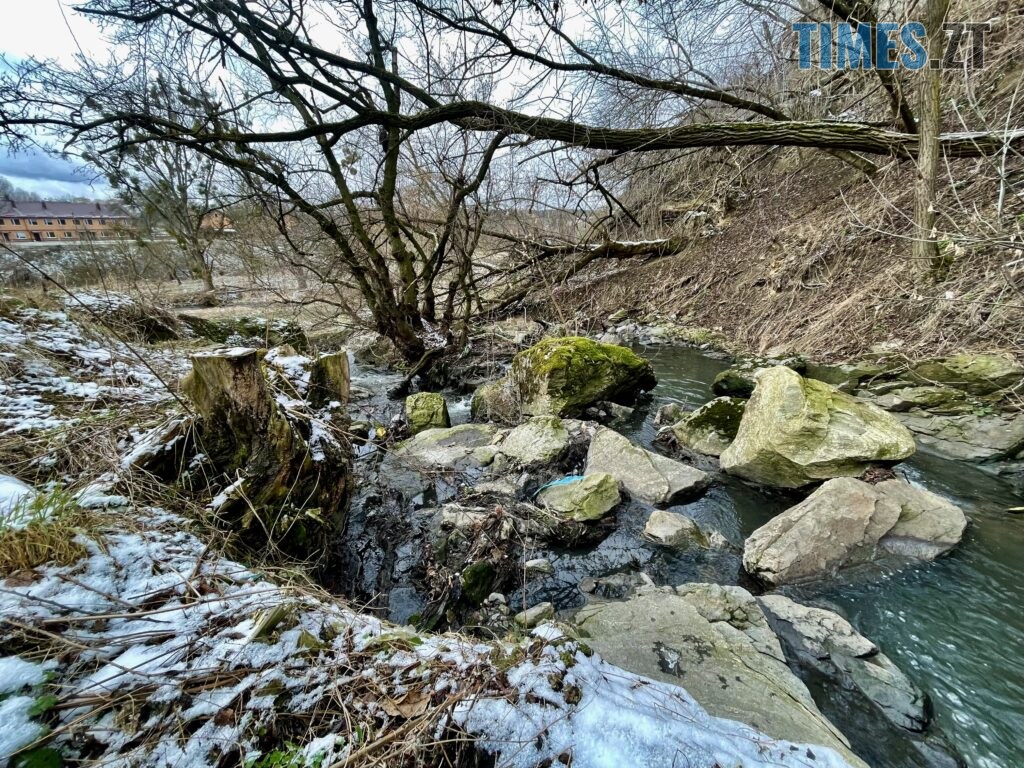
(47, 29)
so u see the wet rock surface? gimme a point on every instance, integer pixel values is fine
(469, 540)
(795, 431)
(715, 641)
(886, 715)
(848, 522)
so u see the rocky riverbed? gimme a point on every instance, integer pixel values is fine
(563, 510)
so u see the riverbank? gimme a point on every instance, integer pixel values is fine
(486, 528)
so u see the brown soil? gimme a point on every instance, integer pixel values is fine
(817, 258)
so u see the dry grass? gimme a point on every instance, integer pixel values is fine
(819, 261)
(47, 533)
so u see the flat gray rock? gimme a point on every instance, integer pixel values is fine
(648, 476)
(715, 642)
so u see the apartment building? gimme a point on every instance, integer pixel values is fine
(27, 221)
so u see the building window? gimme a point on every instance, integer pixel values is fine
(51, 234)
(33, 222)
(6, 237)
(88, 221)
(15, 221)
(67, 234)
(62, 221)
(48, 221)
(21, 235)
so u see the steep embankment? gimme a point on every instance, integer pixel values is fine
(795, 247)
(816, 257)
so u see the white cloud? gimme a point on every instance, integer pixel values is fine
(51, 188)
(49, 29)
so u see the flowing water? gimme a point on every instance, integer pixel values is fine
(955, 626)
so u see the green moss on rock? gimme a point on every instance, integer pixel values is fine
(977, 374)
(795, 431)
(583, 500)
(426, 410)
(733, 383)
(563, 376)
(477, 582)
(710, 428)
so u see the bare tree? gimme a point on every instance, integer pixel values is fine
(926, 248)
(174, 187)
(324, 107)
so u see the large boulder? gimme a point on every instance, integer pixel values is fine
(977, 374)
(563, 377)
(885, 715)
(848, 522)
(712, 427)
(715, 642)
(581, 498)
(824, 636)
(648, 476)
(540, 440)
(426, 410)
(795, 431)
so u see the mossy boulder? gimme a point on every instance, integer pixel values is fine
(248, 331)
(426, 410)
(733, 382)
(582, 498)
(977, 374)
(563, 376)
(795, 431)
(711, 428)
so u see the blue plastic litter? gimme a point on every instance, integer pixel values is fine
(560, 481)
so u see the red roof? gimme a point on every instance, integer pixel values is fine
(47, 209)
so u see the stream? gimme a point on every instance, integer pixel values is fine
(956, 625)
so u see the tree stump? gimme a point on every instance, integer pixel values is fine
(283, 475)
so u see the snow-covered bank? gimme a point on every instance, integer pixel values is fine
(53, 365)
(171, 655)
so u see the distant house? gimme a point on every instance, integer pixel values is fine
(25, 221)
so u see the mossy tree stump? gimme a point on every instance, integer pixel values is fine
(284, 475)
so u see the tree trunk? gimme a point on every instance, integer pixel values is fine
(926, 251)
(281, 484)
(207, 274)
